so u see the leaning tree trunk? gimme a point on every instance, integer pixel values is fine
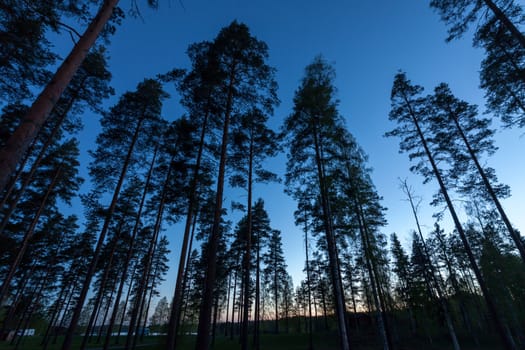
(344, 338)
(372, 273)
(129, 253)
(504, 332)
(28, 235)
(102, 288)
(434, 273)
(29, 177)
(513, 234)
(173, 327)
(68, 340)
(142, 288)
(506, 22)
(18, 143)
(203, 331)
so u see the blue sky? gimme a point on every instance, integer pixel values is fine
(367, 41)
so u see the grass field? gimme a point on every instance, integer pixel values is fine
(296, 341)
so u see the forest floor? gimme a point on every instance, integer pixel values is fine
(324, 341)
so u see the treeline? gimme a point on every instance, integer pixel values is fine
(148, 173)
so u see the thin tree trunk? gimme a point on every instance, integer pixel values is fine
(29, 177)
(503, 330)
(148, 306)
(228, 305)
(129, 253)
(257, 314)
(434, 274)
(131, 342)
(128, 295)
(308, 283)
(372, 273)
(27, 236)
(18, 143)
(247, 252)
(186, 274)
(513, 234)
(171, 342)
(54, 315)
(106, 312)
(66, 310)
(203, 331)
(214, 323)
(103, 281)
(233, 304)
(344, 338)
(276, 293)
(68, 340)
(139, 303)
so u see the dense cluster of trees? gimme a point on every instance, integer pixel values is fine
(149, 173)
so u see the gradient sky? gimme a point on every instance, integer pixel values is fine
(367, 41)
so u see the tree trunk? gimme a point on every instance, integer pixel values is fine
(139, 304)
(129, 253)
(247, 252)
(506, 22)
(372, 273)
(27, 236)
(308, 283)
(437, 284)
(203, 331)
(214, 323)
(68, 340)
(18, 143)
(257, 313)
(276, 292)
(171, 342)
(34, 166)
(186, 273)
(344, 339)
(228, 305)
(233, 304)
(513, 234)
(102, 288)
(126, 302)
(503, 330)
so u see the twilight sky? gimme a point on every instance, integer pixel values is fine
(367, 41)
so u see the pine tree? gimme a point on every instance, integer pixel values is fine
(471, 138)
(116, 146)
(18, 143)
(410, 110)
(248, 83)
(311, 131)
(459, 14)
(501, 73)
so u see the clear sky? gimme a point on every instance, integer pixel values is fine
(367, 41)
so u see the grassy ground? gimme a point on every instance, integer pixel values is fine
(321, 341)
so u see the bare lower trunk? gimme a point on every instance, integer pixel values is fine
(513, 234)
(247, 253)
(68, 340)
(501, 325)
(171, 342)
(203, 331)
(18, 143)
(344, 339)
(129, 253)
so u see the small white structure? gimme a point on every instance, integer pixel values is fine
(26, 332)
